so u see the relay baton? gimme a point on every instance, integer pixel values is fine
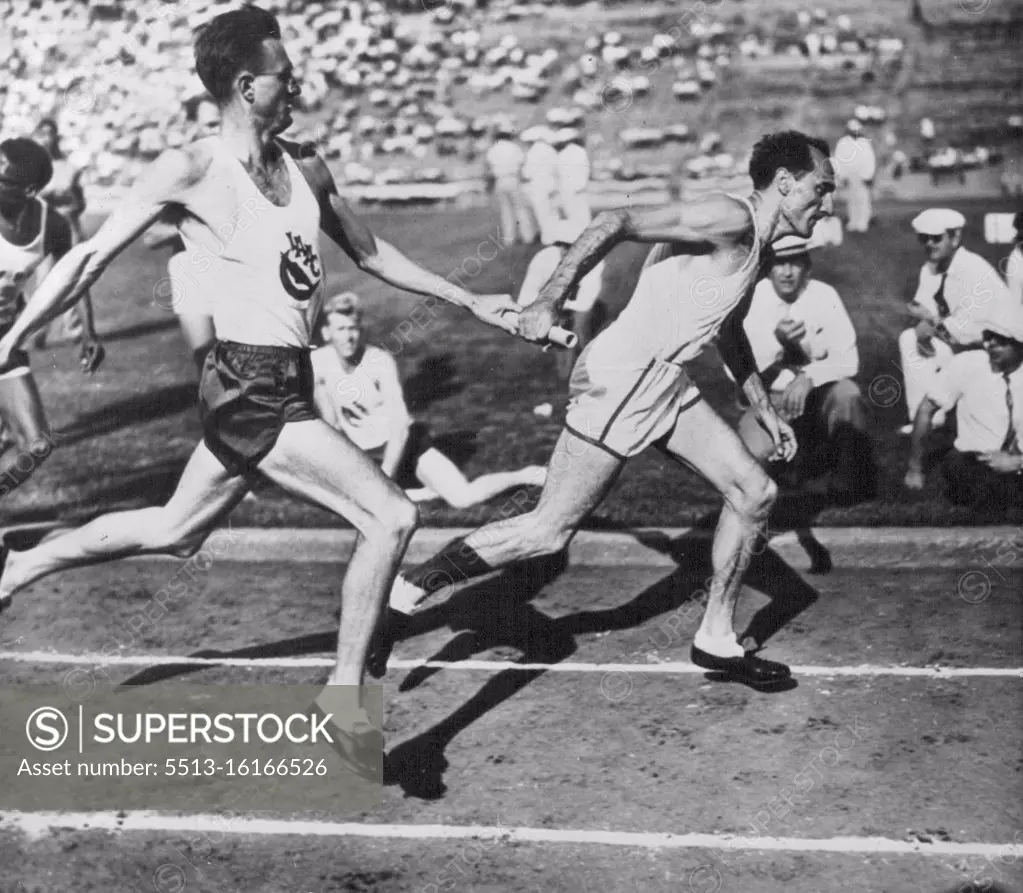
(562, 337)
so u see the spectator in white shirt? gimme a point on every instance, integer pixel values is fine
(357, 391)
(857, 165)
(540, 173)
(955, 287)
(985, 387)
(804, 345)
(583, 313)
(503, 172)
(574, 178)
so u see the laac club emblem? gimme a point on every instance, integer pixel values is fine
(300, 269)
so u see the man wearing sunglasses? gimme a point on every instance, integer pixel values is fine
(984, 470)
(33, 237)
(954, 288)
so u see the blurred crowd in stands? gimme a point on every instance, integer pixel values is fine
(385, 92)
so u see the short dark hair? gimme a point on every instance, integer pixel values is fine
(48, 122)
(30, 161)
(230, 42)
(789, 149)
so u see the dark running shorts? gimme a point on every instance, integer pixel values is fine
(247, 394)
(419, 442)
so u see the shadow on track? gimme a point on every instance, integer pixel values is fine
(497, 613)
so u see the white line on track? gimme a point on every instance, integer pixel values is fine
(35, 824)
(491, 666)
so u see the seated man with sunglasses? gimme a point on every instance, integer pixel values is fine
(955, 287)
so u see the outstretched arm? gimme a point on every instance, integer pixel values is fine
(84, 263)
(704, 224)
(383, 260)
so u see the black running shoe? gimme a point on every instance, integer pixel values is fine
(749, 668)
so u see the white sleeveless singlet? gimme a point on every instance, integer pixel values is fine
(629, 386)
(679, 306)
(17, 264)
(258, 265)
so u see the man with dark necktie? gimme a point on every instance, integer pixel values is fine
(955, 288)
(985, 468)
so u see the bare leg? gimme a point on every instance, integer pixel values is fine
(313, 461)
(443, 477)
(21, 408)
(703, 442)
(203, 496)
(579, 476)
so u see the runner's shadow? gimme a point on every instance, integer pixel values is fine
(790, 595)
(497, 613)
(488, 616)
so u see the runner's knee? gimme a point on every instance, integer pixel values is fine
(398, 518)
(754, 494)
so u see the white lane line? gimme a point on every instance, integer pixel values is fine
(36, 824)
(491, 666)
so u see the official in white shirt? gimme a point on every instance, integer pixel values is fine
(574, 178)
(503, 173)
(540, 174)
(583, 313)
(985, 387)
(857, 164)
(805, 349)
(955, 288)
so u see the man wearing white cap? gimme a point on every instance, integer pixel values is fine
(504, 161)
(805, 348)
(573, 178)
(954, 288)
(857, 165)
(985, 467)
(541, 178)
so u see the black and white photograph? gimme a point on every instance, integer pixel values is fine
(511, 446)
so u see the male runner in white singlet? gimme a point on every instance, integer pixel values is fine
(630, 388)
(253, 208)
(33, 237)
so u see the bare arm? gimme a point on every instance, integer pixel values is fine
(59, 239)
(378, 258)
(76, 272)
(713, 222)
